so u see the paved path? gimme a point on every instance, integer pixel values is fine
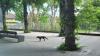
(32, 47)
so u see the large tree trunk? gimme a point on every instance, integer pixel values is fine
(26, 30)
(4, 20)
(70, 24)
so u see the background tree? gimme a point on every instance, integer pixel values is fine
(25, 13)
(53, 6)
(5, 6)
(86, 18)
(43, 18)
(62, 23)
(96, 3)
(29, 2)
(18, 12)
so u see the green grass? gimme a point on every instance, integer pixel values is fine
(83, 31)
(62, 47)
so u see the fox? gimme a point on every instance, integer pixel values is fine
(42, 37)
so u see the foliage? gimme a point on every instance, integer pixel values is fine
(53, 7)
(5, 6)
(39, 4)
(78, 2)
(88, 12)
(87, 19)
(43, 19)
(62, 47)
(18, 12)
(44, 15)
(96, 3)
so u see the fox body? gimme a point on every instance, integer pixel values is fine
(42, 37)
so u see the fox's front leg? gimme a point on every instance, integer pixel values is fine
(44, 39)
(39, 39)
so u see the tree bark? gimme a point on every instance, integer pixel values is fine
(26, 30)
(4, 19)
(62, 20)
(69, 24)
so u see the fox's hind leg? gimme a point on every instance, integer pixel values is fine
(39, 39)
(44, 39)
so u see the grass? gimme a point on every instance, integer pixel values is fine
(62, 47)
(83, 31)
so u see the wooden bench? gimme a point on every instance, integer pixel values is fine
(11, 34)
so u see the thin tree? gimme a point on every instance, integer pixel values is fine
(5, 6)
(62, 20)
(25, 16)
(25, 3)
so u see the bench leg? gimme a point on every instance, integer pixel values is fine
(20, 39)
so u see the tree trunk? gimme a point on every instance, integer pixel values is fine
(26, 30)
(4, 20)
(69, 24)
(62, 20)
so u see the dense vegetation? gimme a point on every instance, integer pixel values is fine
(44, 16)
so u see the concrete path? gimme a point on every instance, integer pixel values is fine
(32, 47)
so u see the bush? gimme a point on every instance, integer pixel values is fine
(62, 47)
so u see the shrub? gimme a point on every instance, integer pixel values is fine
(62, 47)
